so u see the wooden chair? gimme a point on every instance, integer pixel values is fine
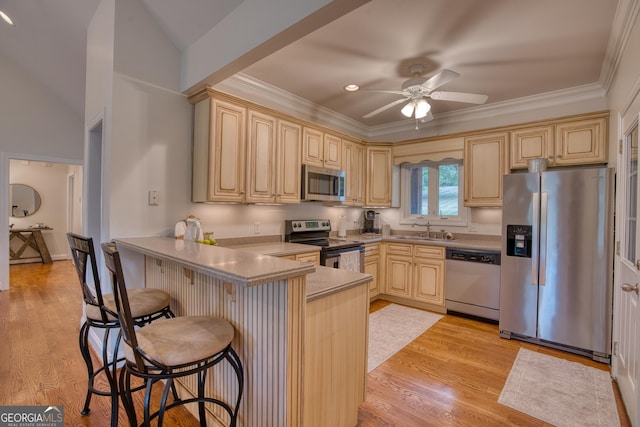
(170, 349)
(147, 305)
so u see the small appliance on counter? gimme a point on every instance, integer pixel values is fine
(371, 222)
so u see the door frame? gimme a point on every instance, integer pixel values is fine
(5, 158)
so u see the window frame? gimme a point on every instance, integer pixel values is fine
(434, 219)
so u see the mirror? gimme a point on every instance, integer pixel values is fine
(25, 200)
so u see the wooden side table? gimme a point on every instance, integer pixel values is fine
(31, 238)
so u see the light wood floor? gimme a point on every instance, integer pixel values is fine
(451, 375)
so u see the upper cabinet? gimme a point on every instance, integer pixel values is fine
(244, 155)
(219, 151)
(378, 186)
(485, 162)
(353, 165)
(578, 140)
(321, 149)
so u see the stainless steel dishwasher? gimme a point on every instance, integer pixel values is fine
(472, 282)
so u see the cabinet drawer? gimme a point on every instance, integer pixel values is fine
(399, 248)
(372, 249)
(429, 251)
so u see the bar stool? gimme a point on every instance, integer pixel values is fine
(170, 349)
(147, 305)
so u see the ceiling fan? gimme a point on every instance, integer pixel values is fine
(417, 89)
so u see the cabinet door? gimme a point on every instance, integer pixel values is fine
(372, 267)
(378, 183)
(398, 275)
(312, 147)
(289, 170)
(581, 142)
(352, 162)
(531, 143)
(311, 257)
(484, 163)
(226, 177)
(332, 151)
(428, 281)
(261, 157)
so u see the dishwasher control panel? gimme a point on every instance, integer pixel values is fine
(470, 255)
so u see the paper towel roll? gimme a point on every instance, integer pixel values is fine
(342, 227)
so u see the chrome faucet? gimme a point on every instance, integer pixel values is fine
(424, 225)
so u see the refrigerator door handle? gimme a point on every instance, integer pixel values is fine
(534, 239)
(543, 238)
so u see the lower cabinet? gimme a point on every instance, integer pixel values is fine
(310, 257)
(415, 273)
(372, 267)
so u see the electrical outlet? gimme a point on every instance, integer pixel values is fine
(256, 228)
(154, 198)
(473, 228)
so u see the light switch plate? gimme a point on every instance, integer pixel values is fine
(154, 197)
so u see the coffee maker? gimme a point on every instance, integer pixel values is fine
(371, 222)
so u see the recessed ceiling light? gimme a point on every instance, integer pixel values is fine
(6, 18)
(351, 87)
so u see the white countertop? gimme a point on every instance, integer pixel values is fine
(240, 267)
(277, 248)
(326, 280)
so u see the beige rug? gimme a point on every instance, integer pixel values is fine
(393, 327)
(560, 392)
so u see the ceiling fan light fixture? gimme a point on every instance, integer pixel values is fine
(407, 110)
(422, 109)
(6, 18)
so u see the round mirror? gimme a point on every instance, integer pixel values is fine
(25, 200)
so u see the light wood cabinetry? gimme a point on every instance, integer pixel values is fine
(335, 358)
(379, 176)
(415, 272)
(581, 142)
(353, 164)
(310, 257)
(261, 156)
(244, 155)
(576, 141)
(485, 162)
(321, 149)
(273, 160)
(219, 151)
(531, 143)
(372, 267)
(288, 165)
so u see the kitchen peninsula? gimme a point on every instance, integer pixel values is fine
(302, 366)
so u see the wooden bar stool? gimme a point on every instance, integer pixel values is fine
(147, 305)
(170, 349)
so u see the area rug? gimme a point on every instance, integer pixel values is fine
(393, 327)
(560, 392)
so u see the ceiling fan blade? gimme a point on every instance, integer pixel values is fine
(470, 98)
(439, 79)
(385, 108)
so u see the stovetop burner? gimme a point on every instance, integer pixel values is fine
(315, 232)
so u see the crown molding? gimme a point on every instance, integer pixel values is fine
(576, 95)
(623, 21)
(254, 90)
(251, 89)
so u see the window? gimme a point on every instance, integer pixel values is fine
(432, 191)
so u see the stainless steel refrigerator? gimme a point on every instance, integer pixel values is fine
(556, 274)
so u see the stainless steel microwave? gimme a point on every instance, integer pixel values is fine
(322, 184)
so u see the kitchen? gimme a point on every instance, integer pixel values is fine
(149, 172)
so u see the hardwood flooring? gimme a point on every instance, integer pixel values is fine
(451, 375)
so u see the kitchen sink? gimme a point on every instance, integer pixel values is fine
(414, 238)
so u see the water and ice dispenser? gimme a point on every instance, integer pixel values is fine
(519, 238)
